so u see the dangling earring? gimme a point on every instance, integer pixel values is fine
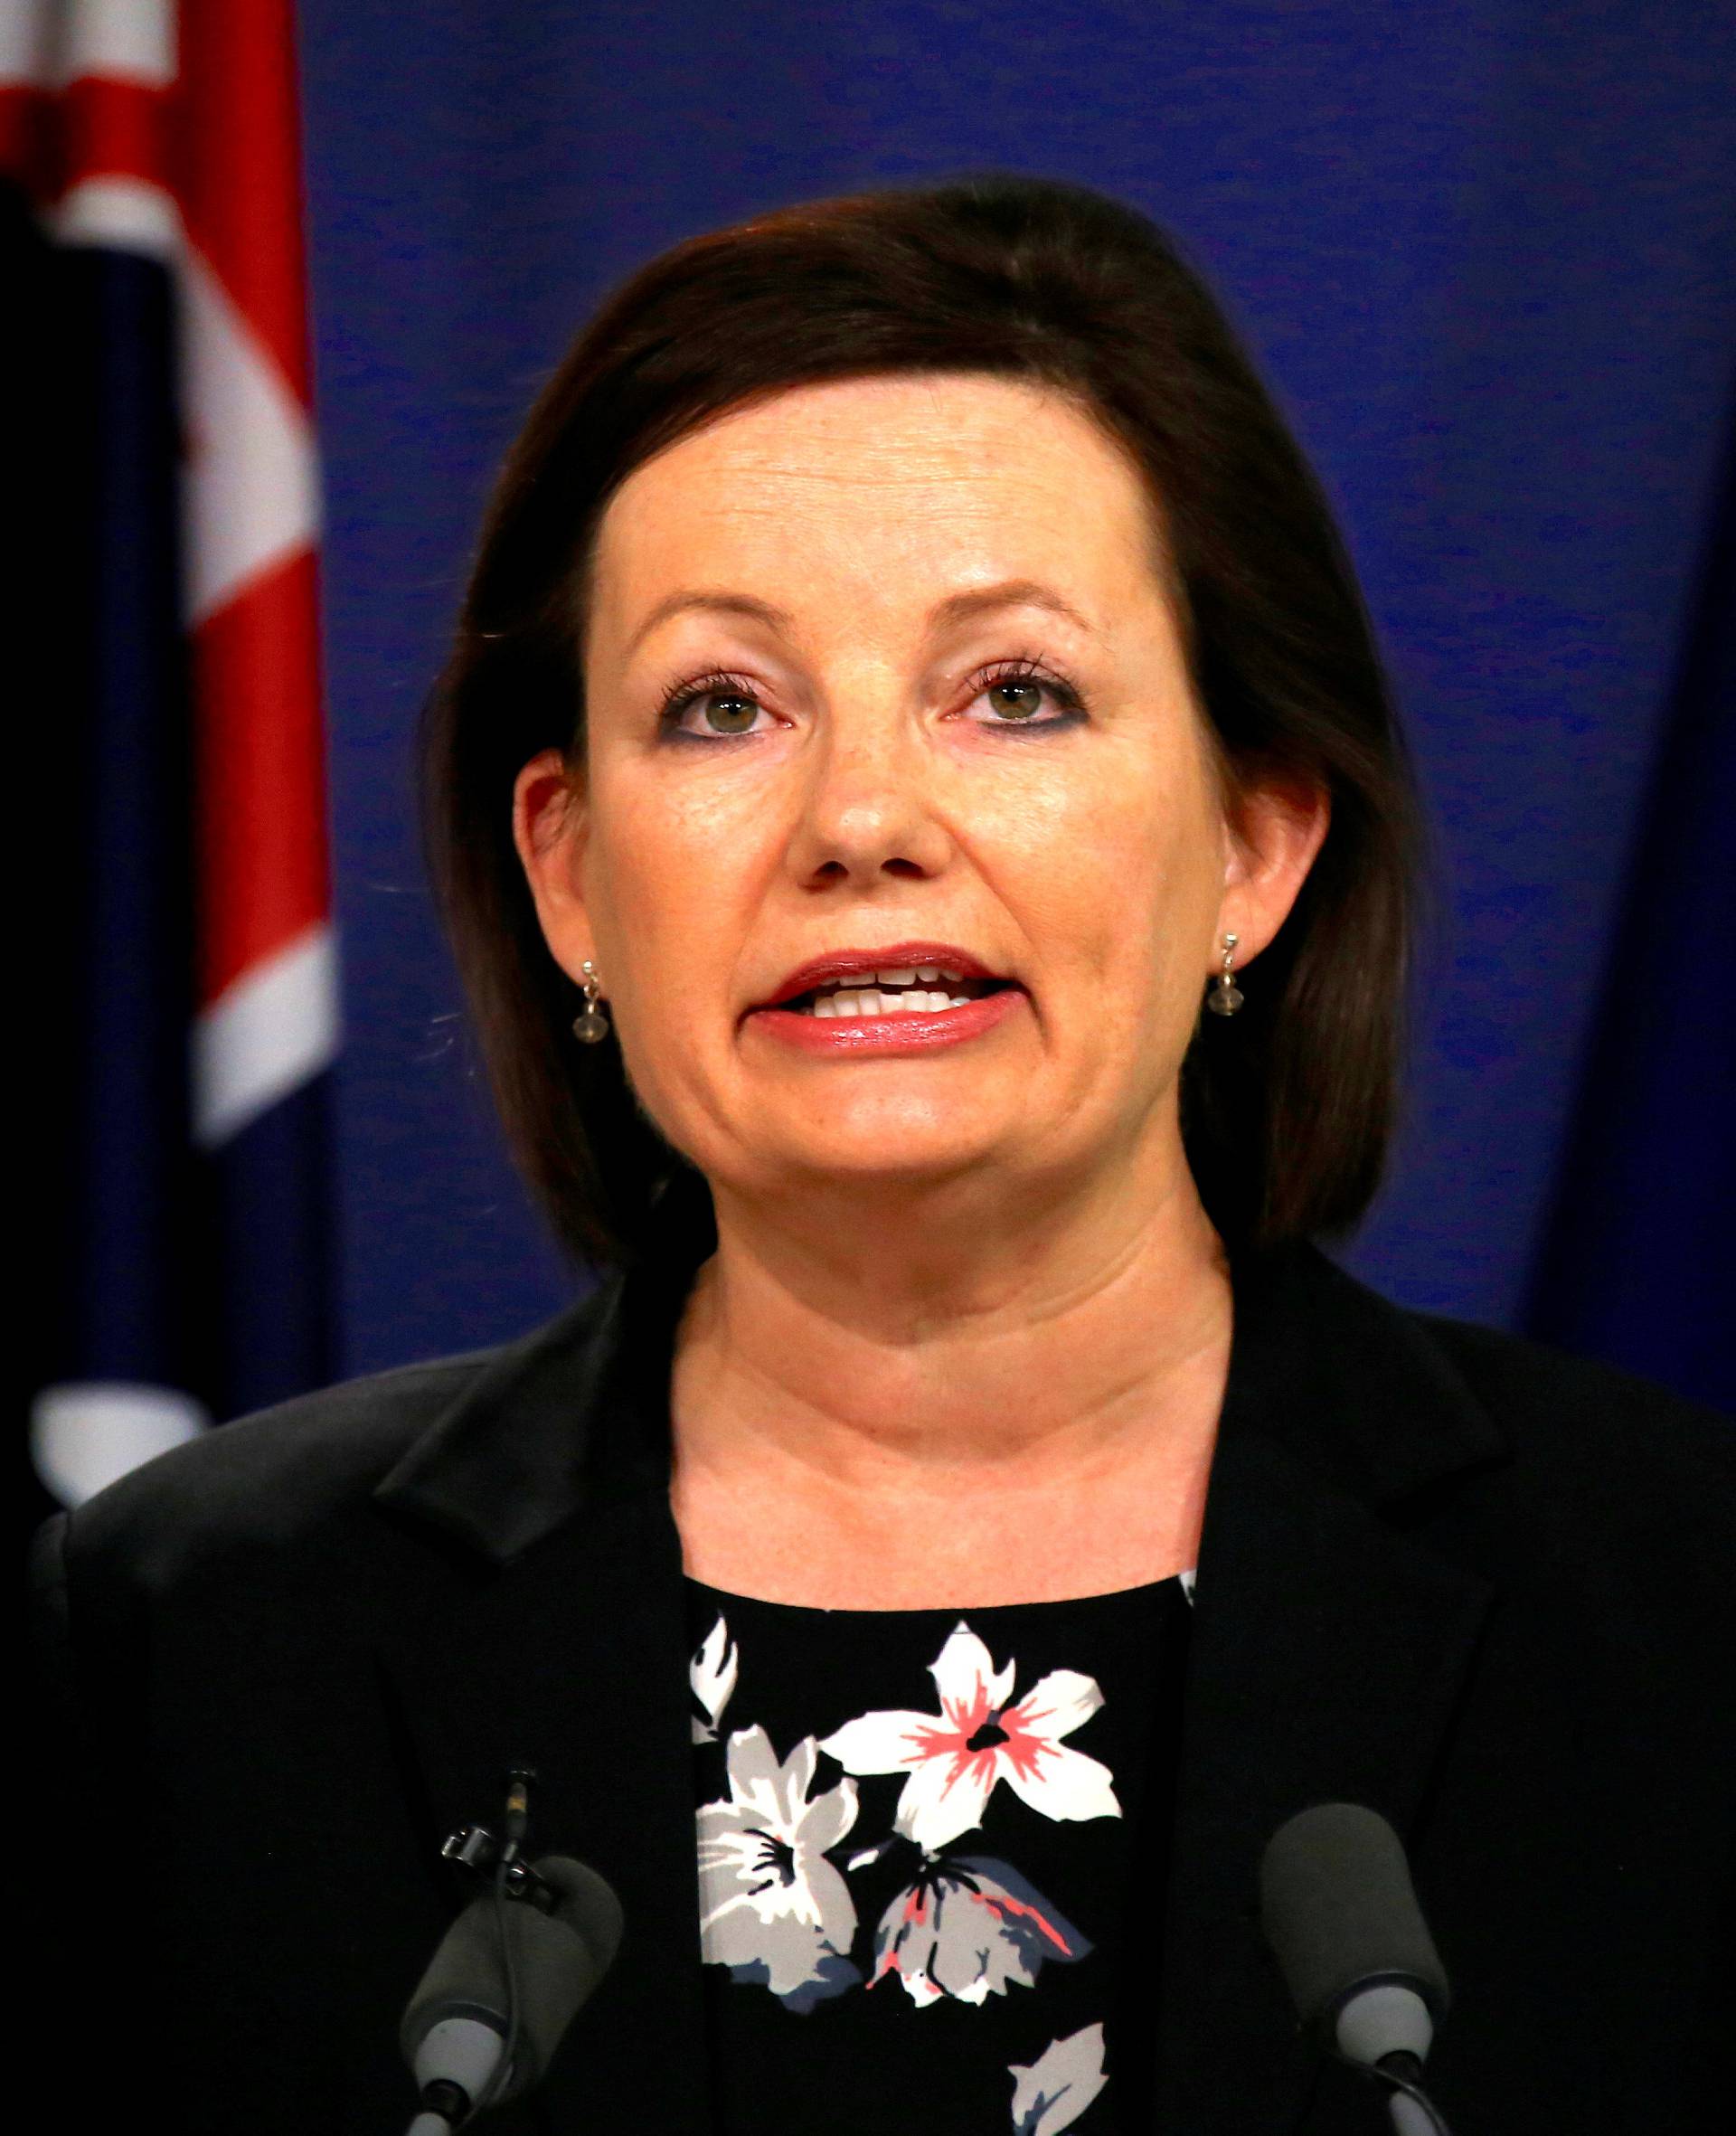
(591, 1024)
(1225, 997)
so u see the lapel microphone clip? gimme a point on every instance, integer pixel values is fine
(499, 1862)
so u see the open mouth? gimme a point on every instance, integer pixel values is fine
(922, 993)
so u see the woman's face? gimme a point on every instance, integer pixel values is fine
(884, 661)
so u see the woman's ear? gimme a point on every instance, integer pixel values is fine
(550, 822)
(1274, 827)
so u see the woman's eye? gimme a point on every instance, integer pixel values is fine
(718, 708)
(1017, 700)
(723, 709)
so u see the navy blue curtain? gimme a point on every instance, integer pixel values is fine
(1483, 250)
(1636, 1265)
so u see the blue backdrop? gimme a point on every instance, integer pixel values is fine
(1484, 250)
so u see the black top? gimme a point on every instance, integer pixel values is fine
(1480, 1586)
(932, 1847)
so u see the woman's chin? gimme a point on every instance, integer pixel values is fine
(883, 1155)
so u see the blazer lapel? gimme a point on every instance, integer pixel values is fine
(558, 1637)
(570, 1659)
(1327, 1649)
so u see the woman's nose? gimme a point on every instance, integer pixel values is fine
(868, 807)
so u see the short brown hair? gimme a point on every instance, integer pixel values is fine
(1287, 1108)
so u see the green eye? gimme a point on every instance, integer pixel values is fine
(717, 697)
(711, 691)
(1031, 693)
(1029, 683)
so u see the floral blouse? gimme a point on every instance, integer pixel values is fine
(932, 1848)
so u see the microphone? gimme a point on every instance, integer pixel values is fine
(1340, 1914)
(509, 1978)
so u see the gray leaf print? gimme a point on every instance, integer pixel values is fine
(1060, 2085)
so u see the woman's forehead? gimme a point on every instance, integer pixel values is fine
(891, 485)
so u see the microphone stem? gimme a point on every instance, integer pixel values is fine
(1409, 2119)
(1412, 2111)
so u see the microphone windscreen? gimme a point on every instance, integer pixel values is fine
(587, 1902)
(463, 1979)
(1338, 1909)
(557, 1960)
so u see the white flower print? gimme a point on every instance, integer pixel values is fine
(980, 1736)
(1057, 2087)
(772, 1908)
(711, 1673)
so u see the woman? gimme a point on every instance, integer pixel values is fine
(910, 681)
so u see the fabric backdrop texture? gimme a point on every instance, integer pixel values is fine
(1483, 250)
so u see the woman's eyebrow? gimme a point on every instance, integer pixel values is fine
(956, 608)
(732, 604)
(1027, 594)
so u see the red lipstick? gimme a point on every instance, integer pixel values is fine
(896, 1031)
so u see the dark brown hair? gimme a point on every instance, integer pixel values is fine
(1287, 1108)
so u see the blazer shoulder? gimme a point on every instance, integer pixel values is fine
(273, 1476)
(1609, 1471)
(1544, 1395)
(267, 1474)
(1470, 1428)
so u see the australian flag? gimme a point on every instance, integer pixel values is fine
(152, 163)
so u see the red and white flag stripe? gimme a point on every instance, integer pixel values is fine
(170, 128)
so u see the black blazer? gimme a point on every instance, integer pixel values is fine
(1481, 1586)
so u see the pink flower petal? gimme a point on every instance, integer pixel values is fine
(883, 1742)
(1061, 1784)
(965, 1676)
(1058, 1703)
(945, 1796)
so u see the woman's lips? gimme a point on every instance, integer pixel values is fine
(844, 964)
(899, 1031)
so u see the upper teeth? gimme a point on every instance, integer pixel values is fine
(905, 976)
(860, 995)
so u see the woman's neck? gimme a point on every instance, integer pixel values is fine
(893, 1415)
